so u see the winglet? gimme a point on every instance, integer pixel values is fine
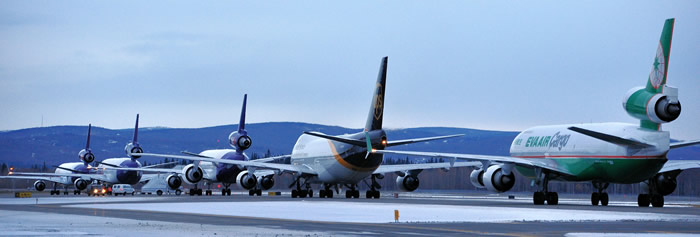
(369, 145)
(136, 129)
(241, 123)
(87, 144)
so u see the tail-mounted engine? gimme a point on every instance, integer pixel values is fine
(80, 184)
(133, 150)
(192, 175)
(86, 156)
(266, 182)
(654, 107)
(408, 182)
(39, 185)
(174, 181)
(246, 180)
(240, 141)
(496, 180)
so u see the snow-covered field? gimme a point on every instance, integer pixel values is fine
(361, 212)
(17, 223)
(70, 199)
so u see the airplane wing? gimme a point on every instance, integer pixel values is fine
(415, 140)
(270, 159)
(83, 176)
(405, 167)
(299, 169)
(679, 165)
(44, 178)
(682, 144)
(531, 163)
(388, 144)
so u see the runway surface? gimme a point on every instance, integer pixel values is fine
(420, 214)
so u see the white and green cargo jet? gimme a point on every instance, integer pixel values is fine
(601, 153)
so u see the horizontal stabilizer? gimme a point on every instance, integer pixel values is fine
(682, 144)
(111, 165)
(610, 138)
(415, 140)
(339, 139)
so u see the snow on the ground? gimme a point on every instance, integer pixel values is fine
(19, 223)
(578, 200)
(384, 212)
(629, 234)
(72, 199)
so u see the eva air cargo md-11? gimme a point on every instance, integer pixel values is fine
(601, 153)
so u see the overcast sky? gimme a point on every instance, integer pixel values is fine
(475, 64)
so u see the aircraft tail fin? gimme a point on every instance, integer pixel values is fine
(376, 109)
(241, 123)
(87, 144)
(657, 77)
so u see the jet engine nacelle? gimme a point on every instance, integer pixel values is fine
(192, 175)
(246, 180)
(174, 181)
(655, 107)
(266, 182)
(39, 185)
(476, 178)
(496, 180)
(133, 149)
(407, 183)
(663, 184)
(240, 141)
(80, 184)
(86, 155)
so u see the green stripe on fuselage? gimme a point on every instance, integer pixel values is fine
(611, 170)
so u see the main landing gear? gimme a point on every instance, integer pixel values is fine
(652, 196)
(195, 191)
(600, 196)
(373, 192)
(543, 194)
(208, 192)
(255, 191)
(299, 192)
(326, 192)
(353, 192)
(226, 191)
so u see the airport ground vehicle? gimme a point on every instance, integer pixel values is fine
(159, 185)
(122, 189)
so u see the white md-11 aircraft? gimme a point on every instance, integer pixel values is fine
(601, 153)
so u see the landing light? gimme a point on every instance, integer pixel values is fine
(384, 142)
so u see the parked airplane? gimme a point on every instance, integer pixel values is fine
(331, 160)
(82, 174)
(60, 175)
(602, 153)
(216, 169)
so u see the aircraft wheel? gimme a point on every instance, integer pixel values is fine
(538, 198)
(552, 198)
(159, 192)
(311, 193)
(643, 200)
(322, 193)
(377, 194)
(657, 200)
(329, 194)
(251, 192)
(369, 194)
(356, 194)
(604, 199)
(228, 192)
(199, 192)
(178, 192)
(595, 198)
(303, 193)
(348, 194)
(294, 193)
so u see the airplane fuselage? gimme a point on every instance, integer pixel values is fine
(336, 162)
(121, 176)
(78, 166)
(225, 173)
(592, 159)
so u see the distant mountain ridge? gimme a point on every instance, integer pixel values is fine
(59, 144)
